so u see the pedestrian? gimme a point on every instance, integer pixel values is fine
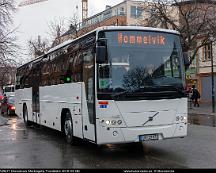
(195, 96)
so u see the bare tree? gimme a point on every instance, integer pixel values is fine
(56, 28)
(7, 75)
(7, 36)
(195, 20)
(7, 7)
(38, 47)
(8, 46)
(74, 26)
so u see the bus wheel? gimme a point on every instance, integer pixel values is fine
(68, 128)
(25, 115)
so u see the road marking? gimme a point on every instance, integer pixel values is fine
(18, 129)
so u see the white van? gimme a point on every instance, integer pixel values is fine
(9, 90)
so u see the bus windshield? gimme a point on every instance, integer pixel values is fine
(140, 62)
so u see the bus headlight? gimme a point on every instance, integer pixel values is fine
(111, 122)
(181, 118)
(108, 122)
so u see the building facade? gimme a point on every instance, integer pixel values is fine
(126, 13)
(203, 66)
(202, 74)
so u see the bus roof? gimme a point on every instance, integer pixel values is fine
(102, 28)
(141, 28)
(136, 28)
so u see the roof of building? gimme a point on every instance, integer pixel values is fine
(111, 7)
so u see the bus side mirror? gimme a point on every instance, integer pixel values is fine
(186, 60)
(101, 52)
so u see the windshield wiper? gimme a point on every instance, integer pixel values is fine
(120, 93)
(178, 89)
(164, 90)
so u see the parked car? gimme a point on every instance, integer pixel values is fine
(1, 98)
(8, 105)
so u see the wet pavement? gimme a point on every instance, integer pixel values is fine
(202, 115)
(3, 120)
(202, 119)
(36, 147)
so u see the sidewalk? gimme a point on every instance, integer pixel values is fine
(204, 109)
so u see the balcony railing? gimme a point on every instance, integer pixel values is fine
(98, 19)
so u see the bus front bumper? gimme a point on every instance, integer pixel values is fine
(106, 135)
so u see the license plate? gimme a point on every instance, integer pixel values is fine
(148, 137)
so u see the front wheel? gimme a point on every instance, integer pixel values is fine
(68, 129)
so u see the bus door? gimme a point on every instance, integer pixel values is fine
(35, 95)
(88, 78)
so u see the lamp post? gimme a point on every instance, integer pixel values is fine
(212, 76)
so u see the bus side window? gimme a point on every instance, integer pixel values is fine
(78, 67)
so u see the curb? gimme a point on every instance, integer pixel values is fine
(202, 113)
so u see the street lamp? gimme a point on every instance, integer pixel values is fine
(212, 75)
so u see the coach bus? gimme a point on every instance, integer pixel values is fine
(116, 84)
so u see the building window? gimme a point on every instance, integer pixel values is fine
(136, 12)
(207, 52)
(122, 11)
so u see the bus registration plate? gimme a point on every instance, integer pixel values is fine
(148, 137)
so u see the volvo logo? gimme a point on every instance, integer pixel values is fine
(151, 118)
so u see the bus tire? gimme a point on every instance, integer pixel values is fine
(25, 115)
(68, 129)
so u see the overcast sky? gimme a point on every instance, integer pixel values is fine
(32, 19)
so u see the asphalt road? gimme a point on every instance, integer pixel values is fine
(34, 147)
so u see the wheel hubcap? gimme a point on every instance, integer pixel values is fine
(68, 128)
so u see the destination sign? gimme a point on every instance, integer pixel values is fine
(146, 39)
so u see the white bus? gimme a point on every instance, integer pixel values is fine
(116, 84)
(9, 90)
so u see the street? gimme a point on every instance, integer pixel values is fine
(39, 147)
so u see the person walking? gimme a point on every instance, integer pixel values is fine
(195, 96)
